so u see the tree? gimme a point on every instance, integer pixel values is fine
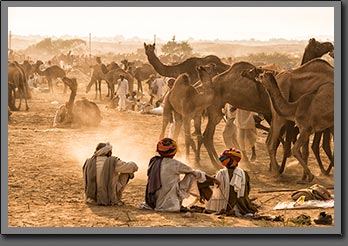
(175, 50)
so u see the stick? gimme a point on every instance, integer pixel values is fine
(270, 191)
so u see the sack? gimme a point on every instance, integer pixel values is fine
(315, 192)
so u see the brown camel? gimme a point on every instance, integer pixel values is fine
(315, 49)
(312, 113)
(187, 102)
(140, 73)
(51, 73)
(81, 112)
(293, 84)
(16, 80)
(98, 74)
(241, 92)
(188, 66)
(110, 78)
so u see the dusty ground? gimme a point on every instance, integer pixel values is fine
(45, 187)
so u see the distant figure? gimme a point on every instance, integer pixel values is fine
(122, 90)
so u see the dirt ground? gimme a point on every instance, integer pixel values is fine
(45, 185)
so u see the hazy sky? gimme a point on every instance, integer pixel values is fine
(210, 23)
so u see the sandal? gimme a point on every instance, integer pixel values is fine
(324, 219)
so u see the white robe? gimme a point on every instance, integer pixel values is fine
(220, 196)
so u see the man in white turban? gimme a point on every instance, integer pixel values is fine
(106, 176)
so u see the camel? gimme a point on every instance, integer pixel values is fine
(16, 79)
(186, 103)
(314, 49)
(325, 50)
(110, 77)
(188, 66)
(81, 112)
(241, 92)
(140, 73)
(51, 73)
(293, 84)
(312, 113)
(99, 72)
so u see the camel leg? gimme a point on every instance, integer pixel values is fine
(188, 140)
(305, 155)
(166, 117)
(327, 149)
(96, 90)
(99, 88)
(316, 151)
(272, 143)
(197, 125)
(301, 141)
(289, 135)
(214, 117)
(253, 153)
(177, 125)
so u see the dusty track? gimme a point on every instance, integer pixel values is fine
(45, 172)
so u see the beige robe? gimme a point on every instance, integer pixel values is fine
(170, 196)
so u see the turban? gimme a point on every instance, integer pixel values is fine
(167, 147)
(103, 149)
(229, 155)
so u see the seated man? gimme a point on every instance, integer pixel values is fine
(165, 191)
(231, 196)
(105, 176)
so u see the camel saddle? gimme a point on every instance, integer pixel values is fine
(315, 192)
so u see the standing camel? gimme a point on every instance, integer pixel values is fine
(188, 66)
(312, 113)
(16, 79)
(81, 112)
(232, 88)
(186, 103)
(315, 49)
(98, 74)
(51, 73)
(110, 78)
(293, 84)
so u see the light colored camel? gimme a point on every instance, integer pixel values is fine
(188, 66)
(312, 113)
(186, 103)
(51, 73)
(80, 113)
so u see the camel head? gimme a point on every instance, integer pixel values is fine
(315, 49)
(71, 82)
(149, 48)
(267, 79)
(206, 72)
(252, 74)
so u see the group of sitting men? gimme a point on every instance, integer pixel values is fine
(169, 181)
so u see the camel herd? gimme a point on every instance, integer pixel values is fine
(296, 102)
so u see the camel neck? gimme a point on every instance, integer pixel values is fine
(280, 104)
(164, 70)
